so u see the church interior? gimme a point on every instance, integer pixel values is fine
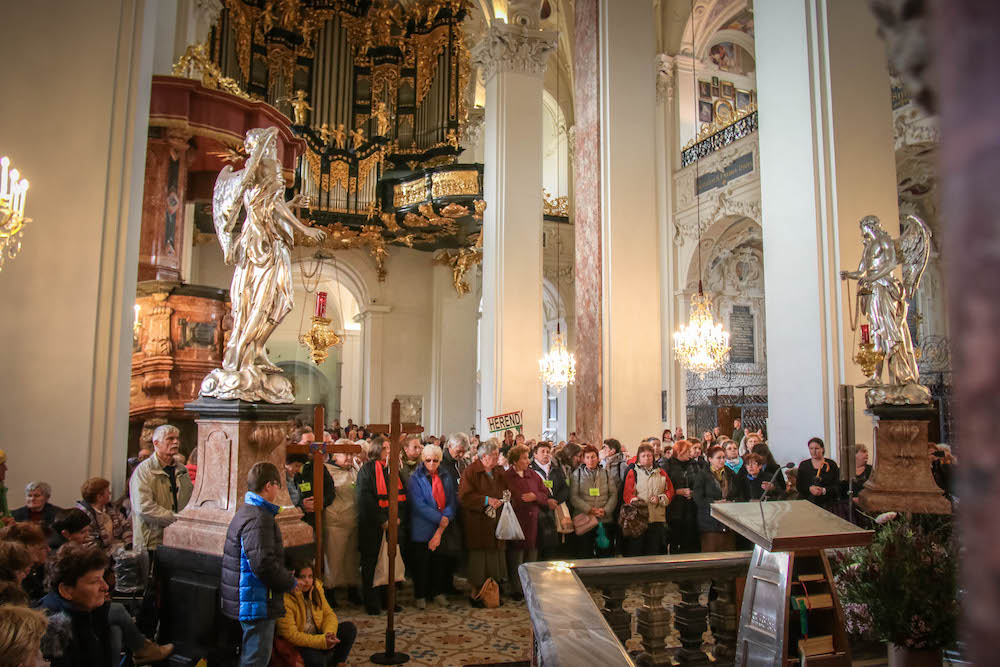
(541, 294)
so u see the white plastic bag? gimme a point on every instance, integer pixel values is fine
(508, 527)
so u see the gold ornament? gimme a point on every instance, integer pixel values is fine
(319, 339)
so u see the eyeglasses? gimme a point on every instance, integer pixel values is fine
(432, 460)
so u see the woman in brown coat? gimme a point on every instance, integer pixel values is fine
(528, 496)
(481, 495)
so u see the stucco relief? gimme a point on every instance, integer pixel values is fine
(665, 73)
(511, 48)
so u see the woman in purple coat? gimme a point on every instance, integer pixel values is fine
(528, 496)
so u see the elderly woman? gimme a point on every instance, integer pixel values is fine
(108, 527)
(33, 537)
(433, 496)
(310, 625)
(733, 460)
(819, 477)
(481, 493)
(372, 502)
(648, 486)
(593, 490)
(529, 496)
(716, 484)
(37, 507)
(682, 515)
(340, 522)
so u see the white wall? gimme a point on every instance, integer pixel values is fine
(76, 89)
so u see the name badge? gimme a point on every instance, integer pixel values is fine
(595, 491)
(305, 486)
(548, 483)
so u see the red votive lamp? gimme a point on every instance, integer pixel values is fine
(865, 336)
(321, 305)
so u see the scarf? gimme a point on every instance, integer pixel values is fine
(735, 464)
(437, 490)
(381, 490)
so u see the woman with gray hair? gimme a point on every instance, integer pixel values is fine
(37, 507)
(481, 495)
(432, 492)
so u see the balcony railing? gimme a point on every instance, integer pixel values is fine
(570, 630)
(718, 134)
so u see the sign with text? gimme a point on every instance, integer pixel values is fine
(505, 421)
(741, 166)
(741, 338)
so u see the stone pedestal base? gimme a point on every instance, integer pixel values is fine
(232, 436)
(901, 478)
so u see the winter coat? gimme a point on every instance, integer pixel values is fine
(372, 516)
(476, 485)
(616, 465)
(456, 468)
(253, 572)
(121, 530)
(706, 490)
(527, 512)
(643, 483)
(555, 480)
(582, 499)
(300, 488)
(89, 640)
(751, 489)
(49, 512)
(425, 517)
(827, 477)
(291, 626)
(340, 530)
(152, 504)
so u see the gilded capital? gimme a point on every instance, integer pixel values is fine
(511, 48)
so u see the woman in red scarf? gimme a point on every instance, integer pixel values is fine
(432, 492)
(528, 495)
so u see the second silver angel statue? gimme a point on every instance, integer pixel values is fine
(261, 291)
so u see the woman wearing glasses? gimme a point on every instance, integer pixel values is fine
(433, 503)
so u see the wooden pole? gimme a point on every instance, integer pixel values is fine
(317, 484)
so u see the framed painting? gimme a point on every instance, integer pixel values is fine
(723, 110)
(705, 111)
(728, 90)
(742, 99)
(704, 90)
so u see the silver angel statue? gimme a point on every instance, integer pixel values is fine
(261, 291)
(884, 299)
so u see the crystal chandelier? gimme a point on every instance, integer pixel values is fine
(13, 192)
(557, 368)
(701, 346)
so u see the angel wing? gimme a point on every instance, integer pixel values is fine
(227, 202)
(914, 247)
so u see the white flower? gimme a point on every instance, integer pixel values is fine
(885, 518)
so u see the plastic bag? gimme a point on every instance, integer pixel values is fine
(508, 527)
(382, 567)
(602, 537)
(130, 570)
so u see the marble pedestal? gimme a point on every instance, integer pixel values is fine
(232, 436)
(901, 479)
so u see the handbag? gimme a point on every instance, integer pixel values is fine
(584, 523)
(562, 512)
(382, 567)
(634, 520)
(489, 594)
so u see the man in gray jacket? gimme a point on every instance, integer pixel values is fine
(159, 489)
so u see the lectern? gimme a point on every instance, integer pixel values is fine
(791, 612)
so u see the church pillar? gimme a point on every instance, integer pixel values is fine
(453, 354)
(161, 242)
(826, 161)
(513, 58)
(372, 319)
(617, 236)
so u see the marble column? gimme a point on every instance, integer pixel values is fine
(513, 58)
(617, 235)
(826, 160)
(161, 243)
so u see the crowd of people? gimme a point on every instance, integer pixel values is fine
(571, 499)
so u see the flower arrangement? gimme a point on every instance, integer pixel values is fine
(903, 588)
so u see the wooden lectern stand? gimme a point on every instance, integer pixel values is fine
(791, 612)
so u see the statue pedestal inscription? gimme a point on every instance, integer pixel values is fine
(232, 436)
(901, 478)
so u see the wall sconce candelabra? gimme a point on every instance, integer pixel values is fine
(320, 338)
(13, 193)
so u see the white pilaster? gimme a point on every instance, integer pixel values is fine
(453, 354)
(513, 60)
(630, 245)
(372, 319)
(827, 159)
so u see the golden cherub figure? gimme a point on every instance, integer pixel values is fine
(340, 137)
(358, 137)
(381, 116)
(324, 133)
(451, 138)
(299, 107)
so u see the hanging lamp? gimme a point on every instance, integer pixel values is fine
(702, 345)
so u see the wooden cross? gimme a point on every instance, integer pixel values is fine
(395, 430)
(318, 451)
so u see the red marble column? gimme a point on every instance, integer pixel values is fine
(587, 179)
(966, 53)
(161, 239)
